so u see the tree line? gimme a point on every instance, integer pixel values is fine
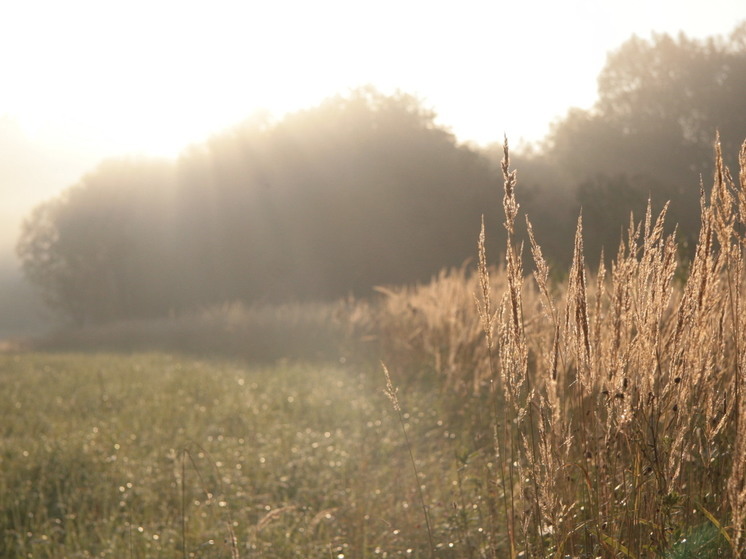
(366, 189)
(650, 135)
(360, 191)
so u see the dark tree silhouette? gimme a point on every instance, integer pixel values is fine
(363, 190)
(100, 249)
(652, 131)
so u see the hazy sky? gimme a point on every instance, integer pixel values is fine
(90, 78)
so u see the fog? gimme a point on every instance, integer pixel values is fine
(148, 213)
(31, 171)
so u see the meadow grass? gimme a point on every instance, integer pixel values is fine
(602, 417)
(113, 455)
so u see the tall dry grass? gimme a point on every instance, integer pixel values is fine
(616, 401)
(607, 414)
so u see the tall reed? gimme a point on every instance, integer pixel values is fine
(617, 412)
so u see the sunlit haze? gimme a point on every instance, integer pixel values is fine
(98, 78)
(153, 76)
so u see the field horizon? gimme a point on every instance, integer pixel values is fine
(515, 415)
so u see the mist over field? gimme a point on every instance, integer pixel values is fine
(30, 171)
(346, 330)
(365, 189)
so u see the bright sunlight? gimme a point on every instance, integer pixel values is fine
(153, 77)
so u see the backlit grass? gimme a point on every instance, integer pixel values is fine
(602, 417)
(291, 461)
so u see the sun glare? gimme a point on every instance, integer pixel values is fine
(154, 77)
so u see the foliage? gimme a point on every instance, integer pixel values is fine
(360, 191)
(660, 104)
(366, 190)
(649, 136)
(101, 248)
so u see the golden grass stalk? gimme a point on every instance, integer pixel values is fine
(617, 414)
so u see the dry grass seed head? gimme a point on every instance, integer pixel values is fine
(510, 205)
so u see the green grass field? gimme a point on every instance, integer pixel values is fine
(152, 455)
(599, 417)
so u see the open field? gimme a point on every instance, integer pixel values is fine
(138, 455)
(598, 416)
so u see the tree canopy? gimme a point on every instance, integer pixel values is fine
(360, 191)
(651, 133)
(366, 189)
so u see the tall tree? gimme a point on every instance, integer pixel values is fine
(363, 190)
(98, 251)
(651, 133)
